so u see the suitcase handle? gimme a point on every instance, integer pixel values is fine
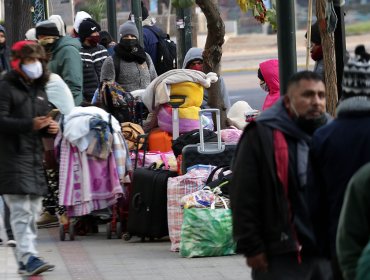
(220, 146)
(137, 201)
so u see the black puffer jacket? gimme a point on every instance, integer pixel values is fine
(92, 60)
(21, 169)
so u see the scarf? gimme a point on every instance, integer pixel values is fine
(136, 54)
(277, 118)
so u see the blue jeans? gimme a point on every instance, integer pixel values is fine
(24, 211)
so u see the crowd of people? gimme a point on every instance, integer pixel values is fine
(299, 188)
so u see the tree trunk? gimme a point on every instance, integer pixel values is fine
(18, 19)
(327, 42)
(213, 52)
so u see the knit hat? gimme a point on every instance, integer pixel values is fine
(128, 28)
(25, 49)
(31, 34)
(87, 27)
(356, 79)
(47, 28)
(57, 19)
(80, 16)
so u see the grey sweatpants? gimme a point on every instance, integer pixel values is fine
(286, 267)
(24, 211)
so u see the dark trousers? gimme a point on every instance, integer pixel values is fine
(286, 267)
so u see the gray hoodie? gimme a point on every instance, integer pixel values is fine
(195, 54)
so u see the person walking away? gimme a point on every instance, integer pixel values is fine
(334, 163)
(271, 194)
(194, 60)
(92, 55)
(23, 122)
(268, 73)
(65, 56)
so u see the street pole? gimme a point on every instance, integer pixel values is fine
(136, 12)
(286, 42)
(340, 44)
(184, 34)
(112, 19)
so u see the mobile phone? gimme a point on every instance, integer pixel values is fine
(54, 113)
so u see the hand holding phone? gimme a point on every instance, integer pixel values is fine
(53, 114)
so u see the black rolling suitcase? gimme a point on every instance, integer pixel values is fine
(213, 153)
(147, 215)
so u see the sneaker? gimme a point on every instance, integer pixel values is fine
(11, 243)
(21, 268)
(36, 266)
(47, 220)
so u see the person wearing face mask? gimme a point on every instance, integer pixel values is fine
(273, 206)
(23, 123)
(92, 56)
(316, 50)
(64, 53)
(268, 74)
(339, 150)
(194, 60)
(130, 66)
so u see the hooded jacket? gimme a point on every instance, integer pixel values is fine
(270, 72)
(266, 218)
(4, 55)
(21, 156)
(196, 54)
(66, 62)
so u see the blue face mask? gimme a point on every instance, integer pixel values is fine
(33, 70)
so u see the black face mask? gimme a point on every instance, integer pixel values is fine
(129, 44)
(310, 125)
(49, 47)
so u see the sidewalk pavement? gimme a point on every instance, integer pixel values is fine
(94, 257)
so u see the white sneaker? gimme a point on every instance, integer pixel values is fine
(11, 243)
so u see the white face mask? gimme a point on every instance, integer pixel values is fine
(33, 70)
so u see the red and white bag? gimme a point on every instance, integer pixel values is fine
(177, 187)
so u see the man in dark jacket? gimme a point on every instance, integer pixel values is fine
(340, 148)
(65, 56)
(271, 199)
(23, 121)
(92, 55)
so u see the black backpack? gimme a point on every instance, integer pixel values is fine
(166, 52)
(192, 137)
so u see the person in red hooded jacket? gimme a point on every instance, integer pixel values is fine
(268, 73)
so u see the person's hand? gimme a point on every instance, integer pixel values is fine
(41, 122)
(258, 262)
(53, 127)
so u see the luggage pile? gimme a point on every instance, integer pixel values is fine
(181, 173)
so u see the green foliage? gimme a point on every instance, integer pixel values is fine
(358, 28)
(259, 10)
(96, 8)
